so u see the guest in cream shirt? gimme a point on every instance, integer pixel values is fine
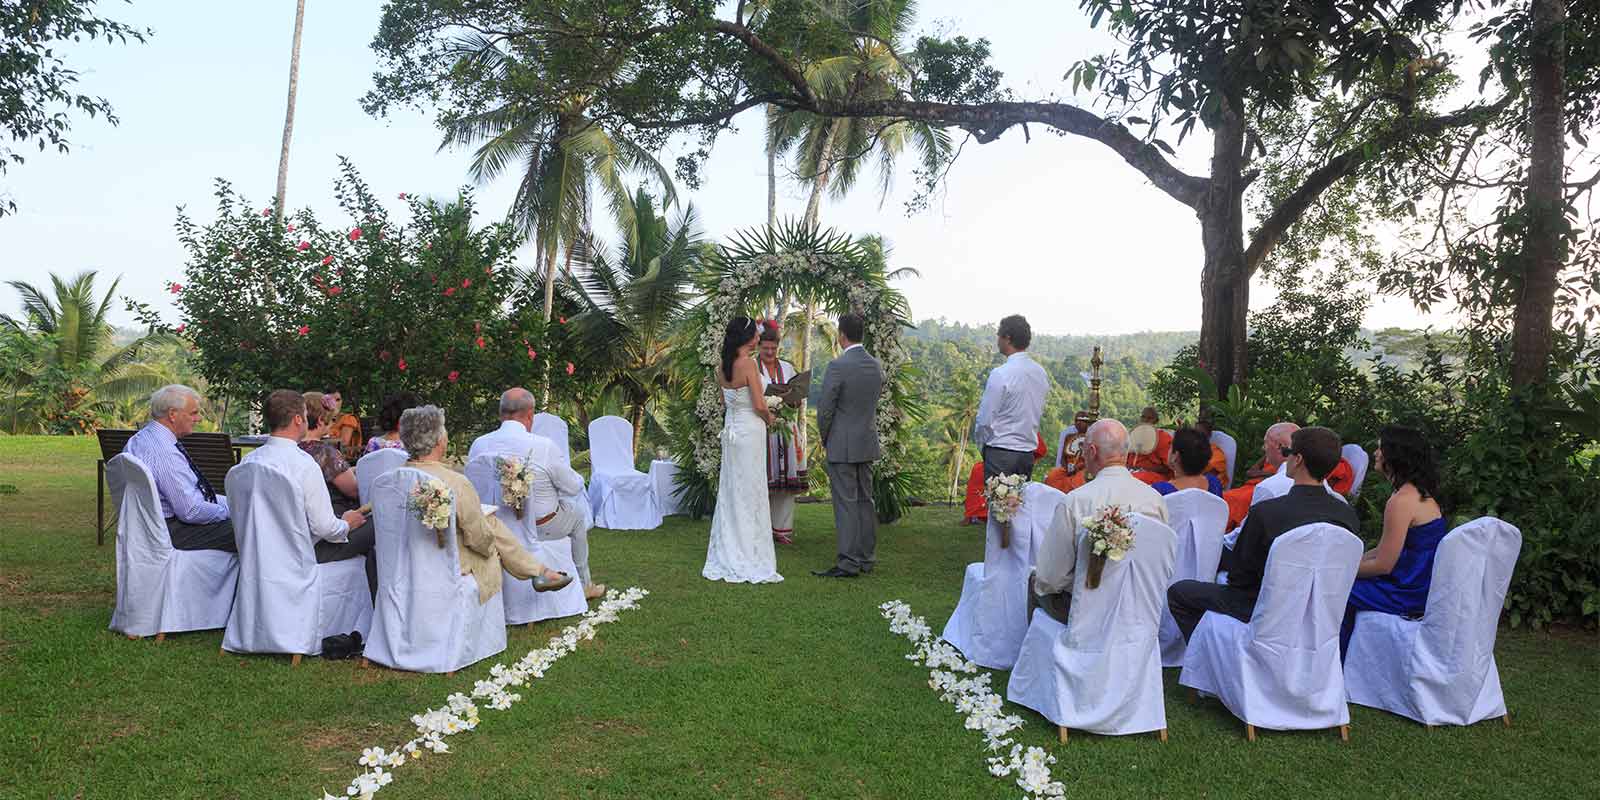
(1105, 456)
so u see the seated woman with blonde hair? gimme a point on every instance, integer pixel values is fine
(485, 544)
(1393, 577)
(336, 471)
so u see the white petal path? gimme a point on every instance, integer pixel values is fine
(972, 697)
(460, 712)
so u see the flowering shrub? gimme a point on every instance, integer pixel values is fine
(370, 305)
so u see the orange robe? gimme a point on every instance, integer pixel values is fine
(1059, 479)
(975, 507)
(1218, 466)
(1152, 467)
(1342, 477)
(1239, 499)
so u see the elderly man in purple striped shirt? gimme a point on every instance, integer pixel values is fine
(197, 517)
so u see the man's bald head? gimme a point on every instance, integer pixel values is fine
(516, 403)
(1108, 445)
(1278, 436)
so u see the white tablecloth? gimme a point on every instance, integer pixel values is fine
(664, 475)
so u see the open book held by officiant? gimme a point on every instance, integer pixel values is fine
(794, 392)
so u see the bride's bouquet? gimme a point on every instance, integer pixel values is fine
(431, 501)
(1110, 536)
(515, 476)
(1004, 495)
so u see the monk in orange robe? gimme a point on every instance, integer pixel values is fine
(1070, 474)
(1273, 444)
(1150, 465)
(976, 509)
(1342, 479)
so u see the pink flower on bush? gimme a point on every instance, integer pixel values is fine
(304, 329)
(453, 375)
(383, 355)
(290, 228)
(562, 320)
(334, 290)
(402, 195)
(326, 260)
(182, 326)
(466, 283)
(266, 212)
(450, 292)
(303, 246)
(355, 233)
(531, 354)
(428, 246)
(401, 364)
(174, 287)
(570, 368)
(479, 342)
(488, 270)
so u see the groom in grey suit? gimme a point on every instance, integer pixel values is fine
(847, 419)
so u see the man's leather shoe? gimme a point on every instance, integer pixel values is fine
(832, 572)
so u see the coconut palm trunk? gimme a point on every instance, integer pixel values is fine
(288, 115)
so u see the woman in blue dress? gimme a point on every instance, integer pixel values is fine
(1189, 457)
(1393, 577)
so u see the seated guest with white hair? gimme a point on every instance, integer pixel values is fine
(1105, 456)
(334, 537)
(553, 478)
(1312, 454)
(486, 546)
(197, 517)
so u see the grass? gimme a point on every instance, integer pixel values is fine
(793, 690)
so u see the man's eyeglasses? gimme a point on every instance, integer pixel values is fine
(1288, 451)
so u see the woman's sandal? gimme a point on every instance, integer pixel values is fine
(543, 584)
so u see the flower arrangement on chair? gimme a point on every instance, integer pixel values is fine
(515, 476)
(431, 501)
(1110, 536)
(1004, 495)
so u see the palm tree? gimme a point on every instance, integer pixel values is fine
(288, 115)
(77, 371)
(632, 303)
(560, 153)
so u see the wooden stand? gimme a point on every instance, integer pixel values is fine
(1344, 733)
(1063, 732)
(1161, 735)
(295, 661)
(1249, 732)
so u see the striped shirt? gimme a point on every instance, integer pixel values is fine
(176, 481)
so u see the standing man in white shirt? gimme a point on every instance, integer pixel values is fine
(1007, 426)
(333, 537)
(553, 478)
(1105, 456)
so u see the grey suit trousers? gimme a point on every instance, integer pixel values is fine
(855, 516)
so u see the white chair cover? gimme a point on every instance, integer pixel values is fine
(1440, 670)
(1101, 672)
(1281, 671)
(623, 497)
(992, 614)
(554, 428)
(374, 464)
(1358, 459)
(428, 617)
(1199, 518)
(522, 603)
(286, 602)
(161, 589)
(664, 476)
(1230, 449)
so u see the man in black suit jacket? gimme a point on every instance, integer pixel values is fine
(1313, 453)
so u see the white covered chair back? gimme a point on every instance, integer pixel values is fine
(554, 428)
(992, 614)
(375, 464)
(1281, 671)
(1102, 672)
(286, 602)
(1440, 670)
(622, 497)
(1229, 448)
(1359, 460)
(522, 603)
(428, 618)
(161, 589)
(1199, 518)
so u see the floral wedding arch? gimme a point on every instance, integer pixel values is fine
(841, 275)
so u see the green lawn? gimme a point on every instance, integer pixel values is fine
(793, 690)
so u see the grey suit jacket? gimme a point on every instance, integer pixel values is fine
(847, 412)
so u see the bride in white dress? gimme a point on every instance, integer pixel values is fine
(741, 548)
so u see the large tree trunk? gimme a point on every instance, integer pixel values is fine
(1545, 248)
(288, 116)
(1224, 278)
(638, 426)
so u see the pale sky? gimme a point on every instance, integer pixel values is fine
(1057, 229)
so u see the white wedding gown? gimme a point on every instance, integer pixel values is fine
(741, 528)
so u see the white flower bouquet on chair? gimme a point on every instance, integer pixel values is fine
(515, 477)
(431, 501)
(1004, 496)
(1110, 536)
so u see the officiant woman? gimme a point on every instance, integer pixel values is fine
(786, 457)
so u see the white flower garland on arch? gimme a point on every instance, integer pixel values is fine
(730, 300)
(972, 696)
(460, 713)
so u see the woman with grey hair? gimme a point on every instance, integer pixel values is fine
(486, 545)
